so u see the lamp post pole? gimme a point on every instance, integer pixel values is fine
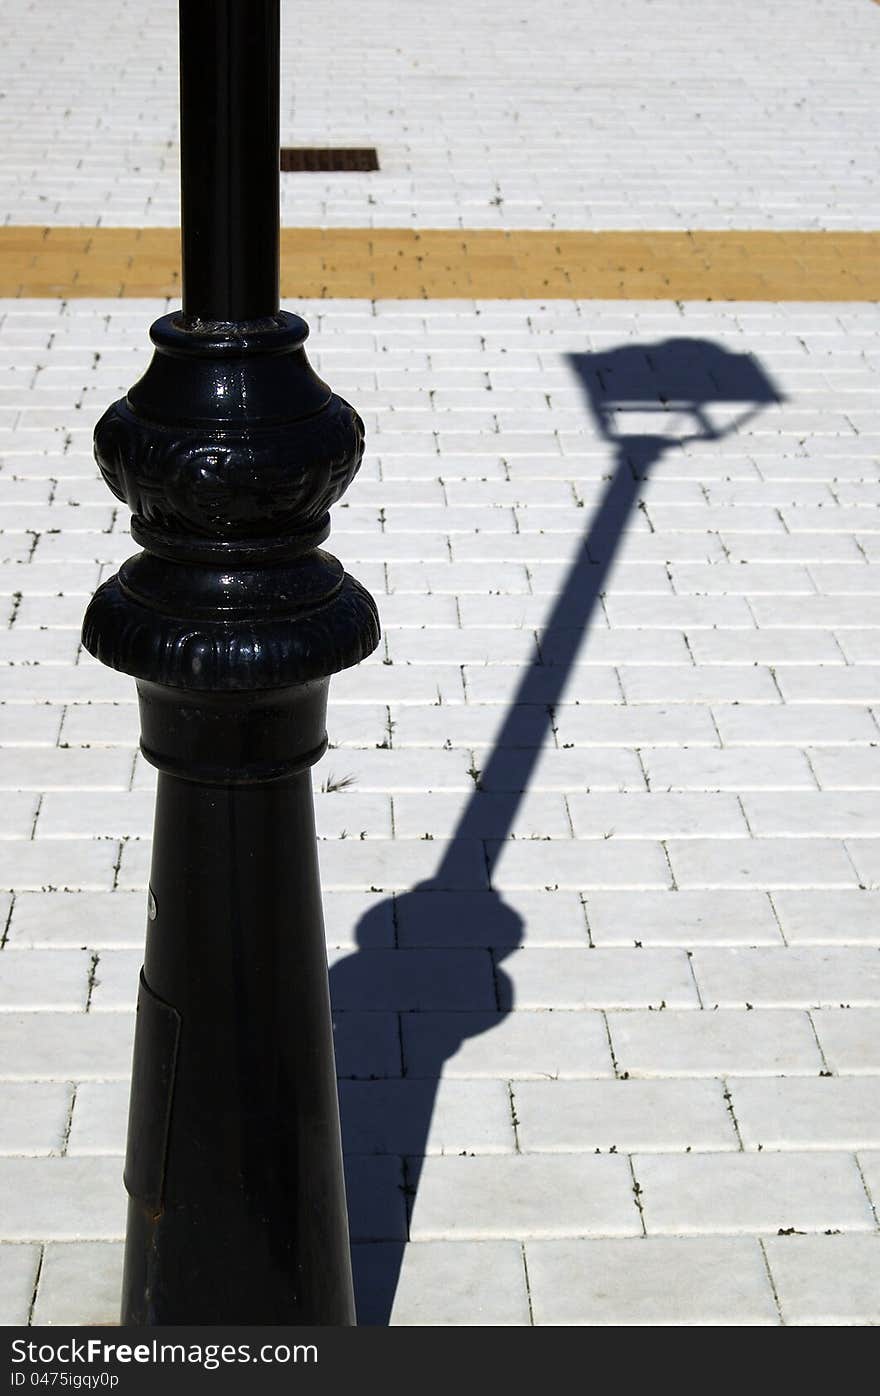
(229, 452)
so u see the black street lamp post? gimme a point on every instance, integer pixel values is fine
(229, 452)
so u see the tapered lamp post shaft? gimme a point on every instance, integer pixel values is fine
(229, 157)
(229, 452)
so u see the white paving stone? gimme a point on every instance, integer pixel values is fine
(80, 1284)
(61, 1199)
(580, 864)
(681, 918)
(622, 1116)
(73, 864)
(115, 981)
(49, 920)
(600, 978)
(56, 1046)
(869, 1166)
(714, 1043)
(99, 1117)
(562, 1195)
(719, 1281)
(838, 814)
(36, 979)
(828, 918)
(826, 1280)
(769, 863)
(19, 1266)
(838, 768)
(656, 816)
(57, 768)
(730, 768)
(865, 856)
(33, 1117)
(810, 976)
(850, 1039)
(445, 1284)
(828, 1112)
(751, 1193)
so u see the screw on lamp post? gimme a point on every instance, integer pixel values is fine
(229, 452)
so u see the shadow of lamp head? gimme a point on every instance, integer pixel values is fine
(672, 392)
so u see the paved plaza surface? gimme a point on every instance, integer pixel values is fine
(600, 821)
(643, 113)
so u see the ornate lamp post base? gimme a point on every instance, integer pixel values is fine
(230, 451)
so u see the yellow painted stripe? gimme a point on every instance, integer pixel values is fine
(412, 264)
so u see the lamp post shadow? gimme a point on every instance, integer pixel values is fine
(444, 983)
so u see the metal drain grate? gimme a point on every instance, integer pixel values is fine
(299, 158)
